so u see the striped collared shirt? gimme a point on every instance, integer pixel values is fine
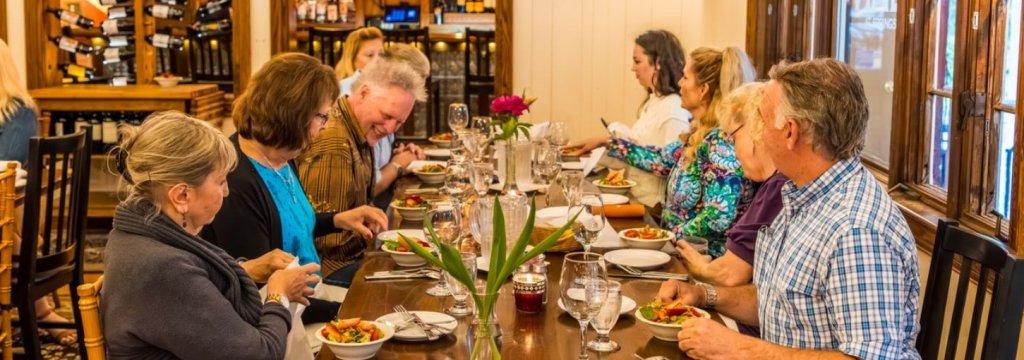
(837, 269)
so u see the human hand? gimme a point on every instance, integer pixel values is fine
(403, 158)
(295, 283)
(364, 220)
(675, 290)
(259, 269)
(696, 263)
(708, 339)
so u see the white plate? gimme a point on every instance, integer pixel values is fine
(393, 234)
(418, 164)
(441, 153)
(639, 258)
(611, 199)
(627, 305)
(522, 187)
(413, 333)
(572, 165)
(552, 212)
(483, 264)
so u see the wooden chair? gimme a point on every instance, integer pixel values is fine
(419, 38)
(479, 70)
(1004, 318)
(7, 230)
(210, 60)
(88, 305)
(332, 43)
(52, 243)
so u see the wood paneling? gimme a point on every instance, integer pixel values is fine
(41, 57)
(503, 52)
(3, 20)
(1016, 203)
(281, 24)
(145, 54)
(241, 43)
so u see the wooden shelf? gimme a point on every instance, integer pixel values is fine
(336, 26)
(90, 33)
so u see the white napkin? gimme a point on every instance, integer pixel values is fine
(608, 239)
(539, 131)
(296, 348)
(591, 162)
(621, 130)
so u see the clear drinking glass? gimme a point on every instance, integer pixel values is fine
(458, 148)
(558, 134)
(458, 116)
(483, 125)
(590, 221)
(459, 291)
(606, 318)
(584, 289)
(458, 180)
(447, 225)
(571, 182)
(483, 174)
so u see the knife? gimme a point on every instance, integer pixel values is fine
(427, 329)
(681, 277)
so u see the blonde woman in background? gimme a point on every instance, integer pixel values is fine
(18, 120)
(362, 47)
(706, 188)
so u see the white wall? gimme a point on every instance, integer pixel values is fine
(575, 55)
(259, 22)
(15, 22)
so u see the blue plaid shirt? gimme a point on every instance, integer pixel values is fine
(837, 269)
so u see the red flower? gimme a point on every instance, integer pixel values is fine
(510, 104)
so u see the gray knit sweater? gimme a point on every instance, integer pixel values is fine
(159, 302)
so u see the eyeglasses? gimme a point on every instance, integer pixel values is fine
(322, 117)
(731, 136)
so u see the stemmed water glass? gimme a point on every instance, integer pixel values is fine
(558, 134)
(545, 165)
(571, 182)
(483, 173)
(458, 180)
(584, 290)
(483, 125)
(590, 221)
(458, 116)
(459, 291)
(458, 147)
(447, 225)
(606, 318)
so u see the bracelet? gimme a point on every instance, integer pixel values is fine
(710, 295)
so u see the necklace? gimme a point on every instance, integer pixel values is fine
(287, 180)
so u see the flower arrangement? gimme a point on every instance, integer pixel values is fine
(503, 263)
(506, 110)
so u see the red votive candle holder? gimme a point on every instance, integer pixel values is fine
(529, 290)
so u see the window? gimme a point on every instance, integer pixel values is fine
(940, 94)
(1006, 101)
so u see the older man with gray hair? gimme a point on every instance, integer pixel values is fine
(337, 170)
(836, 273)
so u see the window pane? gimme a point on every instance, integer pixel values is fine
(945, 40)
(1004, 175)
(938, 159)
(1011, 53)
(867, 32)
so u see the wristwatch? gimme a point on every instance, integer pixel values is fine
(710, 295)
(276, 298)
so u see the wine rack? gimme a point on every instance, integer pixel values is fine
(95, 50)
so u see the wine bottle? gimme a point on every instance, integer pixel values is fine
(332, 11)
(117, 26)
(115, 2)
(172, 2)
(71, 45)
(118, 41)
(116, 55)
(97, 129)
(120, 12)
(80, 123)
(161, 11)
(109, 129)
(166, 41)
(214, 12)
(202, 30)
(72, 18)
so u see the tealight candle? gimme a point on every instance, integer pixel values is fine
(529, 290)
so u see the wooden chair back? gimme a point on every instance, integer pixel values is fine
(478, 60)
(998, 266)
(7, 231)
(92, 324)
(327, 44)
(420, 38)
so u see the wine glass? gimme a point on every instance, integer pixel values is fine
(472, 141)
(447, 225)
(590, 221)
(458, 180)
(571, 182)
(458, 148)
(483, 125)
(483, 174)
(558, 134)
(459, 291)
(458, 116)
(584, 290)
(605, 320)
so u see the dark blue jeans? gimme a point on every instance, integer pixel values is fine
(343, 277)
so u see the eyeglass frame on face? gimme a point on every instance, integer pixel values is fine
(322, 117)
(731, 136)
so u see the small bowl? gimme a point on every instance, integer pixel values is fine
(405, 259)
(665, 332)
(410, 213)
(357, 351)
(444, 144)
(167, 81)
(429, 178)
(653, 244)
(610, 189)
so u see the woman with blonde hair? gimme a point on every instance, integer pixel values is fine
(167, 292)
(362, 47)
(706, 189)
(18, 121)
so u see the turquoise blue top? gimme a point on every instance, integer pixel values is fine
(297, 217)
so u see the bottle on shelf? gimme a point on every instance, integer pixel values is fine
(213, 28)
(172, 2)
(166, 41)
(118, 41)
(300, 11)
(117, 54)
(162, 11)
(489, 5)
(460, 6)
(72, 18)
(117, 26)
(80, 123)
(79, 72)
(439, 12)
(71, 45)
(115, 2)
(120, 12)
(321, 12)
(109, 130)
(213, 12)
(97, 130)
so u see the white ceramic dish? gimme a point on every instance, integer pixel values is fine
(653, 244)
(412, 333)
(429, 178)
(410, 213)
(620, 190)
(665, 332)
(167, 81)
(642, 259)
(357, 351)
(441, 143)
(627, 305)
(406, 259)
(438, 153)
(609, 199)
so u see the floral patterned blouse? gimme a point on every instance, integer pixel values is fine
(702, 199)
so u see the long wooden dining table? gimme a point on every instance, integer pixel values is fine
(549, 334)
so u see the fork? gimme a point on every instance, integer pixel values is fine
(410, 317)
(652, 274)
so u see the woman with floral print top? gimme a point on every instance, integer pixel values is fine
(706, 189)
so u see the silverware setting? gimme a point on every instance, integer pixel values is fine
(658, 275)
(415, 320)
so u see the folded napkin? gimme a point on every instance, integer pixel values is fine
(590, 162)
(539, 131)
(297, 347)
(624, 211)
